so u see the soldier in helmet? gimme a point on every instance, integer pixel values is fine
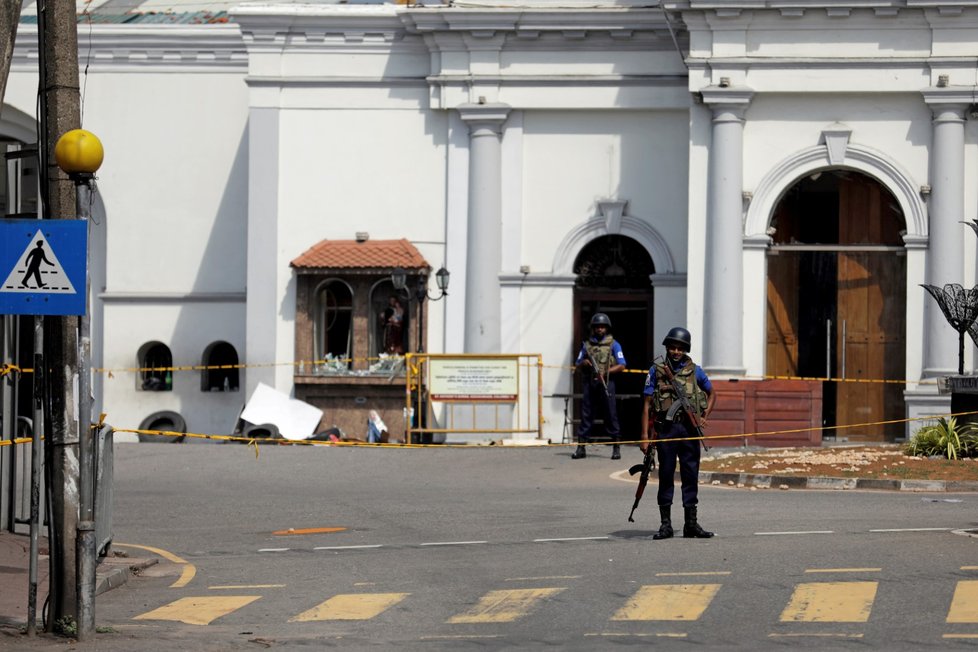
(660, 394)
(600, 357)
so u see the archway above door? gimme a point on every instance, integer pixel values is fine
(636, 228)
(859, 158)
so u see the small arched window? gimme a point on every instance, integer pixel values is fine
(333, 324)
(156, 367)
(220, 373)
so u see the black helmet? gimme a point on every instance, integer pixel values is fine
(680, 336)
(600, 319)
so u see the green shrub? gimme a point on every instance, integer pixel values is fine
(946, 438)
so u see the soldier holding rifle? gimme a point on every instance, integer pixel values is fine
(600, 357)
(678, 397)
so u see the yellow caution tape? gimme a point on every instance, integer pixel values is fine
(251, 441)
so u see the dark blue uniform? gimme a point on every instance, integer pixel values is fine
(594, 403)
(687, 452)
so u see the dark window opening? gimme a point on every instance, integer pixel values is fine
(334, 320)
(220, 373)
(156, 367)
(613, 262)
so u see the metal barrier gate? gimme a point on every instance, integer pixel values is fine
(473, 394)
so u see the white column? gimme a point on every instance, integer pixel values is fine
(723, 305)
(484, 242)
(945, 256)
(261, 324)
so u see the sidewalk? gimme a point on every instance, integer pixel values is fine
(111, 572)
(773, 481)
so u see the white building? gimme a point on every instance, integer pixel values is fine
(778, 176)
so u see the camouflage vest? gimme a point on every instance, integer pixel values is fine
(600, 352)
(665, 394)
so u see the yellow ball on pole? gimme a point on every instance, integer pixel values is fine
(79, 152)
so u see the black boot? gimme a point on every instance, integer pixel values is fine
(579, 453)
(692, 529)
(665, 530)
(615, 452)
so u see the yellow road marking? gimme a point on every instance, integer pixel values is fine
(668, 602)
(350, 606)
(504, 606)
(169, 556)
(964, 604)
(960, 636)
(696, 574)
(198, 610)
(188, 572)
(247, 586)
(541, 578)
(969, 568)
(843, 570)
(831, 602)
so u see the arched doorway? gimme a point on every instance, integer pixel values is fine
(836, 300)
(613, 277)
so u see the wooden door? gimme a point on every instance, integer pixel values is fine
(837, 309)
(871, 315)
(782, 315)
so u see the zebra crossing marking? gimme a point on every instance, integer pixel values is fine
(201, 610)
(668, 602)
(239, 587)
(830, 602)
(350, 606)
(964, 604)
(815, 602)
(504, 606)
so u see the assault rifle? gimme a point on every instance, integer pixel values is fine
(645, 468)
(682, 404)
(595, 370)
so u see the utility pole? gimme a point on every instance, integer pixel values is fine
(60, 113)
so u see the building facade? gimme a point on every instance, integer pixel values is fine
(779, 177)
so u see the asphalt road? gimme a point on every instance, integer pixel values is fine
(500, 548)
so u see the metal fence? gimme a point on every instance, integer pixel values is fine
(15, 485)
(104, 488)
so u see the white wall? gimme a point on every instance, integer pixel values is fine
(173, 187)
(187, 330)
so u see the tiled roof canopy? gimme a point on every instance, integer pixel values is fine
(369, 254)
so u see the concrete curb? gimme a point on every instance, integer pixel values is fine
(795, 482)
(113, 574)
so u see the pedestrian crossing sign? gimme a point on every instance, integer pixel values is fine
(43, 267)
